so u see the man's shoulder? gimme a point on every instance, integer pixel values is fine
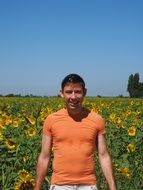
(56, 114)
(95, 115)
(98, 120)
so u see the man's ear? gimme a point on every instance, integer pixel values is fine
(61, 94)
(85, 91)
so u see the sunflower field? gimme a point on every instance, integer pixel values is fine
(21, 121)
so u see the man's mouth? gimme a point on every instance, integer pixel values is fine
(73, 104)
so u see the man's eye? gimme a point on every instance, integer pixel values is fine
(78, 92)
(68, 92)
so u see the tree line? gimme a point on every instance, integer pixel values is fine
(134, 88)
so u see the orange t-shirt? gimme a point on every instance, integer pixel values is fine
(73, 146)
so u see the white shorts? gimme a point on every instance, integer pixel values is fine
(73, 187)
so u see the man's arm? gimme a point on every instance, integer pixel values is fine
(43, 161)
(105, 162)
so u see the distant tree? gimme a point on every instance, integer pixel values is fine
(135, 88)
(10, 95)
(17, 95)
(141, 89)
(120, 96)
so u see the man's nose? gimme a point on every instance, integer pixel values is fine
(73, 95)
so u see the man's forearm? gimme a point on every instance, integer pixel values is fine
(41, 172)
(106, 165)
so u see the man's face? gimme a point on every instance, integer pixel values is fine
(73, 95)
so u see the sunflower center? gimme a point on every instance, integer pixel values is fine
(26, 186)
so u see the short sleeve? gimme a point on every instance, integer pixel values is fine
(101, 125)
(47, 126)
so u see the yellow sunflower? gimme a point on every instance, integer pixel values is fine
(112, 116)
(118, 120)
(131, 148)
(25, 181)
(125, 172)
(8, 120)
(31, 119)
(27, 184)
(132, 131)
(2, 113)
(23, 174)
(1, 136)
(31, 132)
(2, 123)
(10, 144)
(15, 123)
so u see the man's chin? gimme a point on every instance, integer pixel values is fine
(73, 108)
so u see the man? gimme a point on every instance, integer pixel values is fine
(74, 133)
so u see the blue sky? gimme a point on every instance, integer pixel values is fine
(41, 41)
